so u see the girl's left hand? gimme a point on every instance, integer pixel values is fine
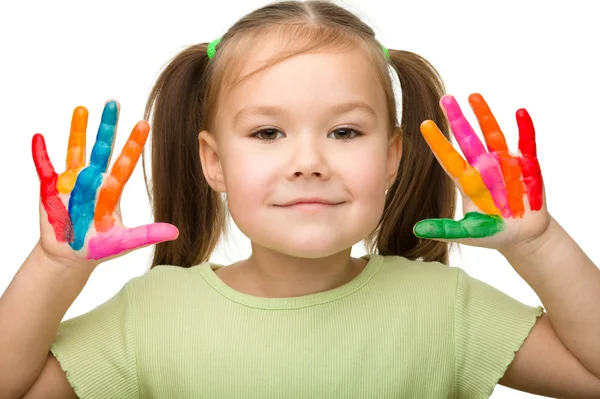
(502, 194)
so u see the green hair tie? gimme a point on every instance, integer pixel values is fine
(385, 51)
(212, 49)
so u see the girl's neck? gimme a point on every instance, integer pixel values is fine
(267, 273)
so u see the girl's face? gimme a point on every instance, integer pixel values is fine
(323, 121)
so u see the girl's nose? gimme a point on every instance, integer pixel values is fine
(309, 158)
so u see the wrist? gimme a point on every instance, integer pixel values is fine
(533, 248)
(41, 261)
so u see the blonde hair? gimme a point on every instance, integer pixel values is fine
(184, 98)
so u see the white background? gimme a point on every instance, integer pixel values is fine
(541, 55)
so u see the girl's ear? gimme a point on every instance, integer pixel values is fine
(393, 156)
(211, 162)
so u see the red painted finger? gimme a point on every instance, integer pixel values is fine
(58, 216)
(532, 173)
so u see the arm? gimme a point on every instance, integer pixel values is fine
(544, 366)
(568, 284)
(563, 349)
(52, 383)
(31, 309)
(69, 249)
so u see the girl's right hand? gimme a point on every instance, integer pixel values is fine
(80, 217)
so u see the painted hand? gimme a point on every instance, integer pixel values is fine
(79, 212)
(502, 194)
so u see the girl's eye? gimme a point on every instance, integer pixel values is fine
(268, 133)
(347, 132)
(271, 134)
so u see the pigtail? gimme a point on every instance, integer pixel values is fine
(180, 193)
(422, 189)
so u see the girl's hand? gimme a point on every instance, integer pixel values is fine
(503, 194)
(80, 219)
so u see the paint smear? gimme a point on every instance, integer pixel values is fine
(58, 217)
(120, 173)
(468, 177)
(83, 197)
(473, 225)
(119, 239)
(476, 155)
(532, 173)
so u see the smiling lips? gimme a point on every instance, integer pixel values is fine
(310, 201)
(310, 204)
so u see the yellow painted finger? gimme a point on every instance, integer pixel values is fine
(75, 151)
(469, 179)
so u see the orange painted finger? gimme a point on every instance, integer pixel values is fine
(76, 148)
(496, 143)
(75, 151)
(113, 185)
(494, 138)
(468, 177)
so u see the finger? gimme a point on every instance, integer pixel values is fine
(496, 144)
(461, 128)
(102, 149)
(75, 150)
(532, 173)
(120, 173)
(473, 225)
(476, 154)
(82, 203)
(119, 240)
(43, 165)
(83, 197)
(494, 138)
(55, 209)
(468, 177)
(76, 147)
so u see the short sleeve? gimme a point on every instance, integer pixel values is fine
(489, 328)
(97, 350)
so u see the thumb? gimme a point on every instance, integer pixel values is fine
(473, 225)
(118, 240)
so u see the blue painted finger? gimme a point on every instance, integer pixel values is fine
(83, 197)
(105, 137)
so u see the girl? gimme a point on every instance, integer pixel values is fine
(291, 116)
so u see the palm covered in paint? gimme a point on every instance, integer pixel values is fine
(502, 194)
(79, 217)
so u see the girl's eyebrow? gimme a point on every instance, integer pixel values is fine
(273, 110)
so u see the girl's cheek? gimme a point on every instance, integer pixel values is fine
(247, 178)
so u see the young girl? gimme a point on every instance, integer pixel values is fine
(291, 116)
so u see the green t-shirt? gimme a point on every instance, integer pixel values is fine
(400, 329)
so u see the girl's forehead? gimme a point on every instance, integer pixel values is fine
(318, 71)
(317, 81)
(273, 55)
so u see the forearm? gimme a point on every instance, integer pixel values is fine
(31, 309)
(568, 284)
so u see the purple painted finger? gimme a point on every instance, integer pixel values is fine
(119, 239)
(476, 154)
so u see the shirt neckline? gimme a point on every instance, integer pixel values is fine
(206, 270)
